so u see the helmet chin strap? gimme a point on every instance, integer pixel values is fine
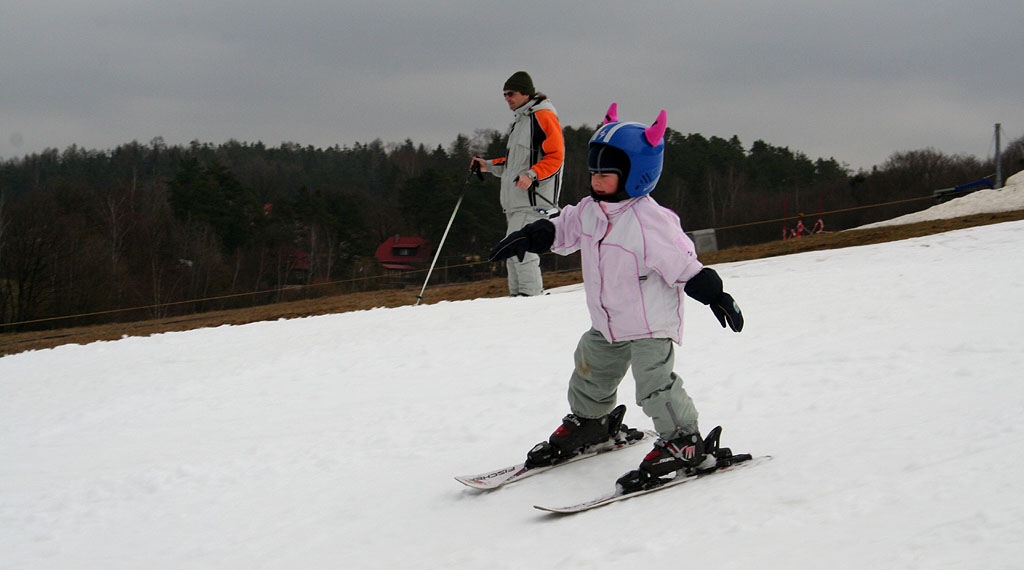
(618, 196)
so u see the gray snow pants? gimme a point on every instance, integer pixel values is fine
(524, 277)
(601, 366)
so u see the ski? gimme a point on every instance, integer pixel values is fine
(512, 473)
(725, 464)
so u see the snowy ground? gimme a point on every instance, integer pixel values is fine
(885, 380)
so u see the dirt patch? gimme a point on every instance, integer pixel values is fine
(12, 343)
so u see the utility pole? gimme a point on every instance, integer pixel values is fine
(999, 165)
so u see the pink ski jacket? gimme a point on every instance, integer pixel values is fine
(636, 260)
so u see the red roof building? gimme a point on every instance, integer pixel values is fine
(403, 252)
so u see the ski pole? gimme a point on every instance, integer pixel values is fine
(474, 170)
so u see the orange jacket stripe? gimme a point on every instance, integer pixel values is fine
(553, 146)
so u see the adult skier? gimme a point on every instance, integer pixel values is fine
(530, 172)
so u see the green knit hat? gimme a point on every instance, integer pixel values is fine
(521, 82)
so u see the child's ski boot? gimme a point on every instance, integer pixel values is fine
(576, 434)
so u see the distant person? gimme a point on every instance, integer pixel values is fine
(530, 172)
(638, 266)
(800, 228)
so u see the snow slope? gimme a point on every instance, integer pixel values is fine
(885, 380)
(1009, 198)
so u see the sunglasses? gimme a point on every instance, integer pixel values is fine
(508, 94)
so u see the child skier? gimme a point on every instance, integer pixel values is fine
(637, 264)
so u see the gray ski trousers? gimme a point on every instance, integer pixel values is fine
(601, 366)
(524, 277)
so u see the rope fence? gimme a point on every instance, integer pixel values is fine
(391, 276)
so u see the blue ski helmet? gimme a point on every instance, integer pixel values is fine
(643, 146)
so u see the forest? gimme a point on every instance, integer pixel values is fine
(152, 230)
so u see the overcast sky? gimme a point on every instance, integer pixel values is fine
(854, 81)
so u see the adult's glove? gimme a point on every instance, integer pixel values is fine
(535, 237)
(706, 287)
(477, 169)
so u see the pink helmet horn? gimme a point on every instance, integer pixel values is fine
(656, 132)
(611, 115)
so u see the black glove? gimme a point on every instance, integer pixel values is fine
(514, 243)
(536, 237)
(706, 287)
(728, 311)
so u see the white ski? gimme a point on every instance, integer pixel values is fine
(512, 473)
(739, 462)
